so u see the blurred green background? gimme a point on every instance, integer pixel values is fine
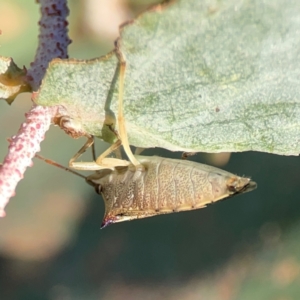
(51, 245)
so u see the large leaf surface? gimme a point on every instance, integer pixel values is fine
(206, 76)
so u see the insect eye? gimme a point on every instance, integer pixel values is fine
(98, 188)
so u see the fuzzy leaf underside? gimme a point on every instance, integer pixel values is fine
(207, 76)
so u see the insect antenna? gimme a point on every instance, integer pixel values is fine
(53, 163)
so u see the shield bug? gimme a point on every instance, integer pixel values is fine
(161, 186)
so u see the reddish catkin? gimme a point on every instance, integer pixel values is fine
(22, 149)
(53, 38)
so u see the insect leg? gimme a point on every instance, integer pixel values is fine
(102, 162)
(94, 152)
(121, 118)
(88, 143)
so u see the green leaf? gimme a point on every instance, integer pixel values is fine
(201, 76)
(12, 80)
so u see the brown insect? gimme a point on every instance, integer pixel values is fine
(161, 186)
(164, 186)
